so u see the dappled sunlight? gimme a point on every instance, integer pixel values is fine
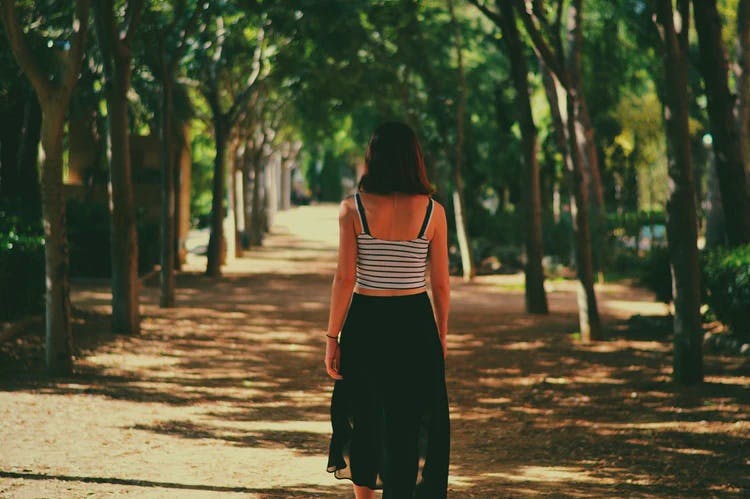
(743, 381)
(522, 345)
(227, 391)
(626, 308)
(551, 474)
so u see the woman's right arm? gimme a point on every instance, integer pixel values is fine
(439, 275)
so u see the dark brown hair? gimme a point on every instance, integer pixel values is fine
(394, 163)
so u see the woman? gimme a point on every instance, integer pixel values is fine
(385, 347)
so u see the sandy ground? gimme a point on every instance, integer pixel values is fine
(225, 395)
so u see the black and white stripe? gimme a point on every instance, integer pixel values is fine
(386, 264)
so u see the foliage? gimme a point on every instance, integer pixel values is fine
(21, 267)
(727, 280)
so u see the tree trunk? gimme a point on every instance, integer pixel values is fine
(588, 311)
(117, 58)
(256, 216)
(247, 195)
(181, 143)
(286, 183)
(234, 202)
(59, 339)
(123, 235)
(591, 157)
(54, 100)
(536, 298)
(459, 206)
(167, 296)
(681, 211)
(216, 244)
(729, 156)
(584, 133)
(716, 232)
(742, 79)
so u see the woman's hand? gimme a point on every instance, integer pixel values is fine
(333, 358)
(444, 345)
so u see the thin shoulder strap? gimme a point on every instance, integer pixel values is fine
(427, 218)
(361, 212)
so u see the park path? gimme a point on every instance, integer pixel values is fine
(226, 395)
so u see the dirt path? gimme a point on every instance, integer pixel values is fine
(226, 394)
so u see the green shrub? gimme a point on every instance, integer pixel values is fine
(21, 268)
(727, 281)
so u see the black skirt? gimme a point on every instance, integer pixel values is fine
(389, 414)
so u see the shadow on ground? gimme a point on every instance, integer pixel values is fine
(533, 412)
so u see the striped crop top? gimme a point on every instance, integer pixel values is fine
(388, 264)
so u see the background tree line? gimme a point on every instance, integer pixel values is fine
(610, 139)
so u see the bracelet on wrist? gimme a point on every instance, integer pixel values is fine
(332, 337)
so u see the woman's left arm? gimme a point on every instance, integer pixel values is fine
(343, 285)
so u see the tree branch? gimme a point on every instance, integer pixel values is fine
(25, 57)
(541, 47)
(78, 44)
(241, 100)
(491, 15)
(683, 8)
(132, 19)
(185, 33)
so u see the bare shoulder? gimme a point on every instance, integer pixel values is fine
(347, 208)
(439, 210)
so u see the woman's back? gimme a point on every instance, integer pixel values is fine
(395, 216)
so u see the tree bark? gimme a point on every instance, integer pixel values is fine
(59, 338)
(536, 298)
(681, 210)
(117, 59)
(729, 157)
(216, 243)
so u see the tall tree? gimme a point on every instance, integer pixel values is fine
(115, 44)
(223, 118)
(574, 28)
(682, 232)
(552, 54)
(505, 18)
(459, 206)
(170, 38)
(729, 157)
(53, 89)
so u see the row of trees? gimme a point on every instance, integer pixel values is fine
(559, 59)
(161, 43)
(579, 94)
